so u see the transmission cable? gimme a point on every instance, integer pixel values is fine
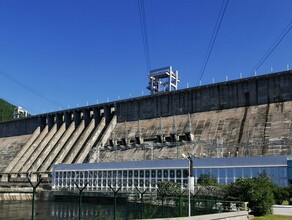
(143, 24)
(213, 38)
(16, 81)
(272, 48)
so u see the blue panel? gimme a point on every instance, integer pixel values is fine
(222, 173)
(238, 172)
(290, 173)
(282, 172)
(255, 172)
(148, 164)
(168, 164)
(246, 172)
(230, 172)
(274, 172)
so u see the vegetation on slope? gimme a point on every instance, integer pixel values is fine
(6, 110)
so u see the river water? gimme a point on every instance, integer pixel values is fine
(22, 210)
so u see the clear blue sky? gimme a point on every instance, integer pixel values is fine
(77, 52)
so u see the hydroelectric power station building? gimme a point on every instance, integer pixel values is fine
(146, 174)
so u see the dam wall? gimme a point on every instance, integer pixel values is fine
(19, 127)
(245, 117)
(29, 125)
(231, 94)
(258, 90)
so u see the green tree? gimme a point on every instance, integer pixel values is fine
(258, 192)
(168, 188)
(289, 198)
(280, 194)
(6, 110)
(207, 180)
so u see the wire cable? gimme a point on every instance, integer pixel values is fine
(143, 25)
(213, 38)
(16, 81)
(272, 48)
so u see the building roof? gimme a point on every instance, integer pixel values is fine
(256, 161)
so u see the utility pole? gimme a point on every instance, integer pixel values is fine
(190, 179)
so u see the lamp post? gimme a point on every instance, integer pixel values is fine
(189, 180)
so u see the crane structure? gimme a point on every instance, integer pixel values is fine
(163, 80)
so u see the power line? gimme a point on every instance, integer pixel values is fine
(213, 38)
(143, 24)
(272, 48)
(16, 81)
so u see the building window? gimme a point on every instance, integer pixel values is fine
(186, 173)
(165, 173)
(153, 173)
(159, 173)
(147, 173)
(141, 173)
(178, 173)
(171, 173)
(125, 173)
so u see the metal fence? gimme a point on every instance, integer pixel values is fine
(167, 202)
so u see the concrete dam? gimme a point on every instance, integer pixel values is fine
(244, 117)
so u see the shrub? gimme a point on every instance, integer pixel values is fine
(207, 180)
(258, 192)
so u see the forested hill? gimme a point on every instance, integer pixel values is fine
(6, 110)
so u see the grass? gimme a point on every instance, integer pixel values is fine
(274, 217)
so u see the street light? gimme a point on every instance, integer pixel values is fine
(189, 179)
